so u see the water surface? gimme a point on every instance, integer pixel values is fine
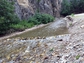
(52, 29)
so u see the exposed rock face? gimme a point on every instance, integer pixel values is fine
(26, 8)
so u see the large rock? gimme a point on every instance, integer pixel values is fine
(26, 8)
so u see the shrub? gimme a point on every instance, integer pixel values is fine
(77, 57)
(33, 20)
(39, 18)
(21, 25)
(18, 27)
(26, 24)
(72, 15)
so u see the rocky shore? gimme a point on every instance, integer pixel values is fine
(66, 48)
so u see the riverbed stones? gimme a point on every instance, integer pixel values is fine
(49, 50)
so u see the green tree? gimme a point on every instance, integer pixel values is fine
(72, 6)
(7, 16)
(81, 6)
(66, 8)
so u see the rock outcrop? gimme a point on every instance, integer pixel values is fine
(26, 8)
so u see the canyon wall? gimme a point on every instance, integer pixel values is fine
(26, 8)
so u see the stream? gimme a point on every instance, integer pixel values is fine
(57, 27)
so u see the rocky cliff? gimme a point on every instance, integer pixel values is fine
(26, 8)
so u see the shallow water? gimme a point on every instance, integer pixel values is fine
(56, 28)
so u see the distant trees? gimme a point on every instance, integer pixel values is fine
(72, 6)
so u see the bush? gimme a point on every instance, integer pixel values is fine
(18, 27)
(21, 26)
(26, 24)
(39, 18)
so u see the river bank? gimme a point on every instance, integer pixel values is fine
(65, 48)
(26, 30)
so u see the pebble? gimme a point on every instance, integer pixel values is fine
(37, 50)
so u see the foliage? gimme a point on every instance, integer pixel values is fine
(66, 8)
(7, 16)
(8, 20)
(77, 57)
(51, 49)
(22, 25)
(72, 15)
(72, 6)
(38, 0)
(39, 18)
